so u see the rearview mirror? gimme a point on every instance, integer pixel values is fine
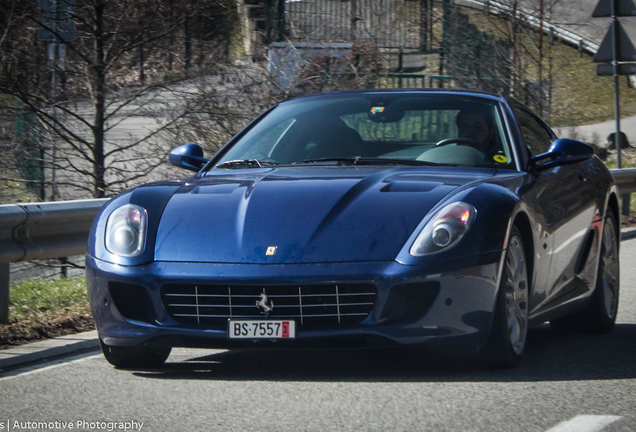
(563, 151)
(188, 156)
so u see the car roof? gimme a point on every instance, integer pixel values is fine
(420, 91)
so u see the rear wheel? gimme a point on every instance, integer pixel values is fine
(608, 280)
(600, 314)
(124, 357)
(510, 325)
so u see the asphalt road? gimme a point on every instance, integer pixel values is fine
(566, 383)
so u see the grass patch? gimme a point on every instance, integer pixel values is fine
(12, 191)
(579, 96)
(41, 309)
(582, 97)
(48, 297)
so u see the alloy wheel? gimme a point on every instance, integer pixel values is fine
(516, 295)
(609, 269)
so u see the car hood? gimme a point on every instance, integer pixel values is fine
(302, 214)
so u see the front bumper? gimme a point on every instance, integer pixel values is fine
(462, 312)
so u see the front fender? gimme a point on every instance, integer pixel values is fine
(496, 207)
(151, 197)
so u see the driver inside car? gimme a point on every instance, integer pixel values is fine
(478, 125)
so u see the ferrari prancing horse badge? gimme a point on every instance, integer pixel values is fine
(271, 250)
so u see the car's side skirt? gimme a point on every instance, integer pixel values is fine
(576, 297)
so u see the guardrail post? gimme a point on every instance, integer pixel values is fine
(627, 198)
(64, 261)
(4, 293)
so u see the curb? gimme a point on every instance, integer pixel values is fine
(628, 235)
(49, 348)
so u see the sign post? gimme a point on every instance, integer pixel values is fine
(617, 108)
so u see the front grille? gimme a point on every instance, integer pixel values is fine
(308, 305)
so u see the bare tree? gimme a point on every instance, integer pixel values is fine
(95, 91)
(518, 48)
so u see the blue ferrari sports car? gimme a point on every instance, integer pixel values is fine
(362, 218)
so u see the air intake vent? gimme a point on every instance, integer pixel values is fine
(131, 301)
(410, 302)
(585, 251)
(310, 305)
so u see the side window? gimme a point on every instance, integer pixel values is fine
(534, 135)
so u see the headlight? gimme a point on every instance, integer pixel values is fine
(445, 229)
(126, 231)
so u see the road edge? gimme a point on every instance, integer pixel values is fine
(628, 234)
(55, 347)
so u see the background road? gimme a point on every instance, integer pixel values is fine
(562, 377)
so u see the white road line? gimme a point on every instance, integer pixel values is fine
(584, 423)
(35, 369)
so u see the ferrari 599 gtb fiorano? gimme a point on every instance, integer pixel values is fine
(404, 218)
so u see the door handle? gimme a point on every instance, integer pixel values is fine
(582, 176)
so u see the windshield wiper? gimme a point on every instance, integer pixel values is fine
(243, 163)
(359, 160)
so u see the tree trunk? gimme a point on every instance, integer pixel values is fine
(541, 17)
(99, 85)
(423, 25)
(514, 53)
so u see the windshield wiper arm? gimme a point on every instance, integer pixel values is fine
(242, 163)
(352, 160)
(359, 160)
(399, 161)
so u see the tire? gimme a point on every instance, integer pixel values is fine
(127, 357)
(600, 314)
(509, 332)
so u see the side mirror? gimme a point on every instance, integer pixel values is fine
(188, 156)
(563, 151)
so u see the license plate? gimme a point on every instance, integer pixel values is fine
(261, 329)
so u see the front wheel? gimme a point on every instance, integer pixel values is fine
(124, 357)
(510, 325)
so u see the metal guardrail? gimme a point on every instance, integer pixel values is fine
(625, 179)
(46, 230)
(37, 231)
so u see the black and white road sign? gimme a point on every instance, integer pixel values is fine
(623, 8)
(625, 52)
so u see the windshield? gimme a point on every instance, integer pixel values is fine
(381, 127)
